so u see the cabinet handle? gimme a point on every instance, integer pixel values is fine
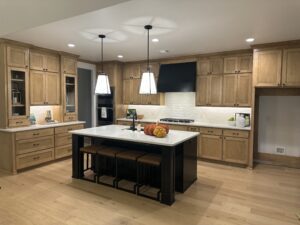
(224, 138)
(36, 158)
(35, 145)
(283, 84)
(19, 122)
(35, 134)
(26, 66)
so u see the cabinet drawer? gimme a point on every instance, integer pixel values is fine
(63, 139)
(69, 118)
(34, 158)
(177, 127)
(31, 145)
(236, 133)
(193, 129)
(34, 133)
(125, 123)
(214, 131)
(18, 122)
(66, 129)
(63, 151)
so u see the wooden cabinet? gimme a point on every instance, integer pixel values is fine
(44, 62)
(291, 67)
(235, 149)
(132, 70)
(70, 97)
(209, 90)
(267, 68)
(17, 56)
(211, 146)
(44, 88)
(237, 90)
(69, 65)
(18, 97)
(238, 64)
(36, 144)
(210, 66)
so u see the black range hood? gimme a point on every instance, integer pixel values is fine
(179, 77)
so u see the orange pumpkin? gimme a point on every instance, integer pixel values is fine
(160, 132)
(148, 129)
(165, 126)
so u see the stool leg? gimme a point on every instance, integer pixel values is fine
(137, 178)
(117, 175)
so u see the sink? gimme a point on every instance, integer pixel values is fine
(49, 123)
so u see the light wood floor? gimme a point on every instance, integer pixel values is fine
(222, 195)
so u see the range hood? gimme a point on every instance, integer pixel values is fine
(179, 77)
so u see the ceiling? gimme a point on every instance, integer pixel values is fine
(183, 27)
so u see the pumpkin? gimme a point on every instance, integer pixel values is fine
(165, 126)
(160, 132)
(148, 129)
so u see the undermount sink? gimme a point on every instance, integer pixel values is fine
(49, 123)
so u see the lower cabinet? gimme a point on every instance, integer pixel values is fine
(210, 146)
(235, 150)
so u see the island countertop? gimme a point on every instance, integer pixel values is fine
(120, 132)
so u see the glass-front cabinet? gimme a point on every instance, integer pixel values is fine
(70, 101)
(18, 99)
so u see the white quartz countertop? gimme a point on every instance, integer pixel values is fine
(196, 123)
(119, 132)
(39, 126)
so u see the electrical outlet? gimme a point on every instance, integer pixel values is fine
(280, 150)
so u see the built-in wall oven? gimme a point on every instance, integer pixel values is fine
(105, 109)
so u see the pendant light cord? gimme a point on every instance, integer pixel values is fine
(102, 55)
(148, 66)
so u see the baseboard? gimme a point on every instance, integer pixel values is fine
(278, 160)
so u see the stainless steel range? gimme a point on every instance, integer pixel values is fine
(176, 120)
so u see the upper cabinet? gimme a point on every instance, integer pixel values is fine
(209, 90)
(17, 56)
(238, 64)
(291, 67)
(132, 70)
(69, 65)
(44, 62)
(208, 66)
(267, 67)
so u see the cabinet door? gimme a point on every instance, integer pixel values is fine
(109, 69)
(235, 150)
(17, 56)
(37, 61)
(52, 89)
(52, 63)
(70, 97)
(69, 65)
(230, 65)
(37, 87)
(267, 68)
(127, 91)
(135, 86)
(243, 94)
(245, 64)
(215, 90)
(202, 90)
(132, 70)
(229, 90)
(211, 147)
(203, 67)
(216, 65)
(291, 67)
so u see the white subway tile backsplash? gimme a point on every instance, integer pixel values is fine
(182, 105)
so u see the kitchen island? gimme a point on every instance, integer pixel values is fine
(178, 154)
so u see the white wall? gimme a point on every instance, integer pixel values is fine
(182, 105)
(279, 124)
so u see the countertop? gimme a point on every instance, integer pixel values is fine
(39, 126)
(196, 124)
(119, 132)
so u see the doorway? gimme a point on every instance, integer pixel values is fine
(84, 96)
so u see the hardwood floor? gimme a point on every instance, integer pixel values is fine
(222, 195)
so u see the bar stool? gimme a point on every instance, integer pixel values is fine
(152, 161)
(105, 156)
(127, 159)
(89, 152)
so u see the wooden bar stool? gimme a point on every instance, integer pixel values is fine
(89, 152)
(152, 161)
(127, 159)
(106, 155)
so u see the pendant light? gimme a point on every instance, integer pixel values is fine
(102, 85)
(148, 85)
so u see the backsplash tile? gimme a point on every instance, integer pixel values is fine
(182, 105)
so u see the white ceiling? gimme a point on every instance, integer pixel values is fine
(183, 27)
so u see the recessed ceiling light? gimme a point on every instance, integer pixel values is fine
(155, 40)
(71, 45)
(164, 51)
(249, 40)
(120, 56)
